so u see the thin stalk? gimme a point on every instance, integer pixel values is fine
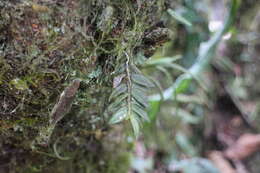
(129, 86)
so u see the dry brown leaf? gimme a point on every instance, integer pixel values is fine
(246, 145)
(65, 102)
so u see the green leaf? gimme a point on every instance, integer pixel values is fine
(135, 124)
(140, 97)
(166, 73)
(142, 80)
(120, 69)
(182, 85)
(118, 102)
(162, 61)
(118, 90)
(135, 69)
(139, 88)
(158, 86)
(154, 109)
(134, 101)
(177, 67)
(141, 112)
(119, 116)
(179, 18)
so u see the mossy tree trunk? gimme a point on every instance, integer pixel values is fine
(57, 64)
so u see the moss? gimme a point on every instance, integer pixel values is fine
(44, 46)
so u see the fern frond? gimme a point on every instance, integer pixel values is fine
(129, 101)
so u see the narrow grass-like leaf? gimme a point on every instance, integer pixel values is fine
(177, 67)
(182, 69)
(158, 86)
(182, 85)
(162, 61)
(179, 18)
(165, 72)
